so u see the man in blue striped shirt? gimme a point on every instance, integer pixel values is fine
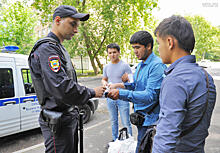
(144, 91)
(185, 100)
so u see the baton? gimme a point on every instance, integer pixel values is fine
(81, 132)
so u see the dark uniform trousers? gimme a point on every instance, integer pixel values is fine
(66, 140)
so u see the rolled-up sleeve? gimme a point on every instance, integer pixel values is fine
(173, 98)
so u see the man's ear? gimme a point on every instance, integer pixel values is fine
(171, 42)
(148, 46)
(57, 19)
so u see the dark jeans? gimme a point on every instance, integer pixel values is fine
(66, 140)
(141, 131)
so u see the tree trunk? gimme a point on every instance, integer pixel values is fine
(203, 55)
(99, 63)
(91, 57)
(92, 62)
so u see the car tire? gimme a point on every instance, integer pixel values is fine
(86, 110)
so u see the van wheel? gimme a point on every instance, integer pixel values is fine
(86, 110)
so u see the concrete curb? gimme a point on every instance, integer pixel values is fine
(85, 79)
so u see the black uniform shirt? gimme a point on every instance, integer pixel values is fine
(48, 63)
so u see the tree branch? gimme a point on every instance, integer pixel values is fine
(102, 41)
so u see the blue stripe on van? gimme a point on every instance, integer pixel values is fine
(2, 101)
(29, 97)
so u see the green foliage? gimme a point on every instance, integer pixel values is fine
(45, 9)
(207, 38)
(110, 21)
(156, 46)
(17, 23)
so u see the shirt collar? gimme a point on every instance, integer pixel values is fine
(184, 59)
(52, 35)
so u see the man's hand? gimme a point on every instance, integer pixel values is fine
(125, 77)
(116, 85)
(112, 86)
(105, 84)
(113, 94)
(99, 91)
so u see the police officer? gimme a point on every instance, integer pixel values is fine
(55, 82)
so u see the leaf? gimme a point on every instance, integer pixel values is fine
(18, 22)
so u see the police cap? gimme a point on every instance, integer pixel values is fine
(69, 11)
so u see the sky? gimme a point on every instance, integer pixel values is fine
(210, 9)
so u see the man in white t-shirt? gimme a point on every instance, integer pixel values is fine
(112, 74)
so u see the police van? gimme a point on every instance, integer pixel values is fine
(19, 107)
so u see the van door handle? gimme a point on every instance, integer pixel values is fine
(30, 99)
(9, 102)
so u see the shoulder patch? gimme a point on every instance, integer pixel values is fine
(54, 63)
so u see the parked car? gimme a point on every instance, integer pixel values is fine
(212, 67)
(19, 107)
(89, 109)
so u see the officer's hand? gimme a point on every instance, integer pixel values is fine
(113, 94)
(124, 77)
(99, 91)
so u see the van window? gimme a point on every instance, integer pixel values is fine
(27, 81)
(6, 83)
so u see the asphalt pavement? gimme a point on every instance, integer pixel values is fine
(97, 133)
(97, 136)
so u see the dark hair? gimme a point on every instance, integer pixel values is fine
(179, 28)
(113, 45)
(143, 38)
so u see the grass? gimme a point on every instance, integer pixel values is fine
(86, 73)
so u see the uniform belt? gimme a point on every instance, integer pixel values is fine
(70, 109)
